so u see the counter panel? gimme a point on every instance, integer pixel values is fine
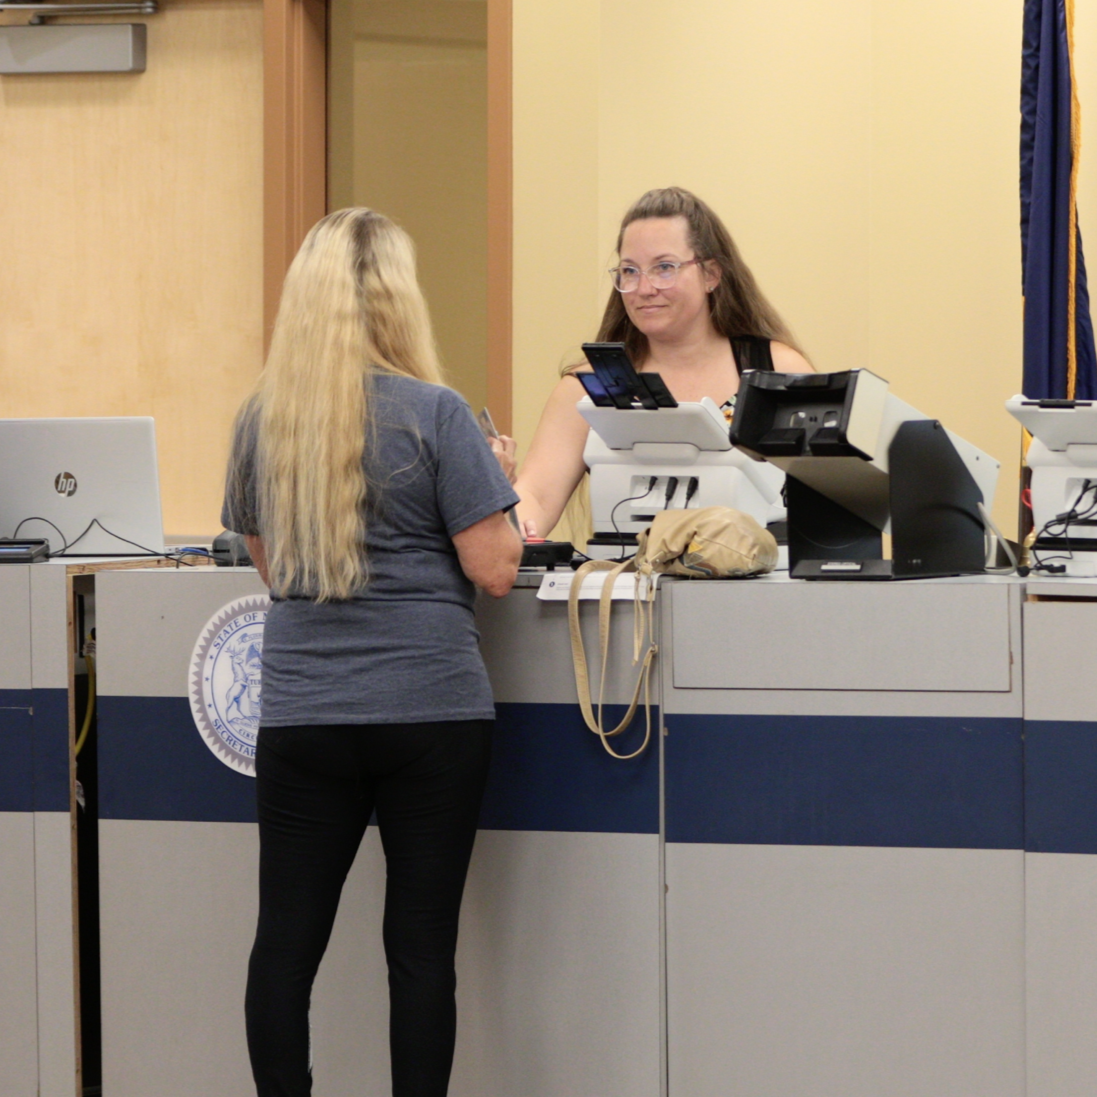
(153, 764)
(1061, 726)
(845, 828)
(16, 751)
(18, 995)
(845, 781)
(781, 634)
(552, 1001)
(177, 917)
(558, 969)
(844, 972)
(38, 943)
(1061, 962)
(18, 978)
(54, 830)
(14, 628)
(16, 698)
(1060, 641)
(527, 649)
(1061, 824)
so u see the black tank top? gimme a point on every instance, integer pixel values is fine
(751, 352)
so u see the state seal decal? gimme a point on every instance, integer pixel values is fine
(226, 681)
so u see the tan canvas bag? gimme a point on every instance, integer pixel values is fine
(709, 543)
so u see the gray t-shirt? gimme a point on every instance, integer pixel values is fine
(405, 649)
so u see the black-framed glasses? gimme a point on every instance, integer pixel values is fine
(661, 275)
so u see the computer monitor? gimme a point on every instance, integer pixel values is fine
(90, 486)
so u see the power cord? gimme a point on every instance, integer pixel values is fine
(145, 550)
(691, 488)
(1059, 528)
(672, 488)
(64, 543)
(652, 481)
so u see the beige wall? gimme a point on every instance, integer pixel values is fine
(863, 153)
(408, 136)
(131, 234)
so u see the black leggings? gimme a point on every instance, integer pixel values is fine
(317, 788)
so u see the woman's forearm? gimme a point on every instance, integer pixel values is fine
(537, 511)
(258, 553)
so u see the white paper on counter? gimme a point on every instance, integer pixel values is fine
(556, 586)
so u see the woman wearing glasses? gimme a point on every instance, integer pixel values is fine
(687, 307)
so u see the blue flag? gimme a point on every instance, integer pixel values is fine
(1059, 356)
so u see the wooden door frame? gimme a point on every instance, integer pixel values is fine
(295, 165)
(295, 138)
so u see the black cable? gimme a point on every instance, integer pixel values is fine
(65, 543)
(652, 481)
(672, 487)
(691, 488)
(1059, 526)
(118, 537)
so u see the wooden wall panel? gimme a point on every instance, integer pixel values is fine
(500, 212)
(131, 230)
(295, 136)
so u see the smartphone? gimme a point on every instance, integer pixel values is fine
(486, 425)
(622, 383)
(595, 389)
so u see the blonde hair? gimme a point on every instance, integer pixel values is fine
(350, 305)
(737, 305)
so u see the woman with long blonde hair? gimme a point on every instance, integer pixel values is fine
(372, 507)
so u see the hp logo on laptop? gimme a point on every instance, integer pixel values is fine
(65, 483)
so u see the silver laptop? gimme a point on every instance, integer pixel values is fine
(90, 486)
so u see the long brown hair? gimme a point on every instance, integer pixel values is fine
(737, 306)
(350, 305)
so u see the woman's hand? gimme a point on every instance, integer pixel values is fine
(505, 450)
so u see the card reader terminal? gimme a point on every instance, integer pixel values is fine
(30, 550)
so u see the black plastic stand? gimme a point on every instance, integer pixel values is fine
(936, 528)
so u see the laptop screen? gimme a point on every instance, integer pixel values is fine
(90, 486)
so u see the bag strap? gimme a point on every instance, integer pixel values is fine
(593, 720)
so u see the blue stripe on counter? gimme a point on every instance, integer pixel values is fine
(16, 750)
(1060, 786)
(153, 764)
(51, 749)
(548, 772)
(845, 781)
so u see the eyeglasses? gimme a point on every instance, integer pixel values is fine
(661, 275)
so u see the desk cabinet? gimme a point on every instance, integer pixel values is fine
(18, 994)
(39, 986)
(844, 835)
(861, 861)
(1060, 652)
(559, 958)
